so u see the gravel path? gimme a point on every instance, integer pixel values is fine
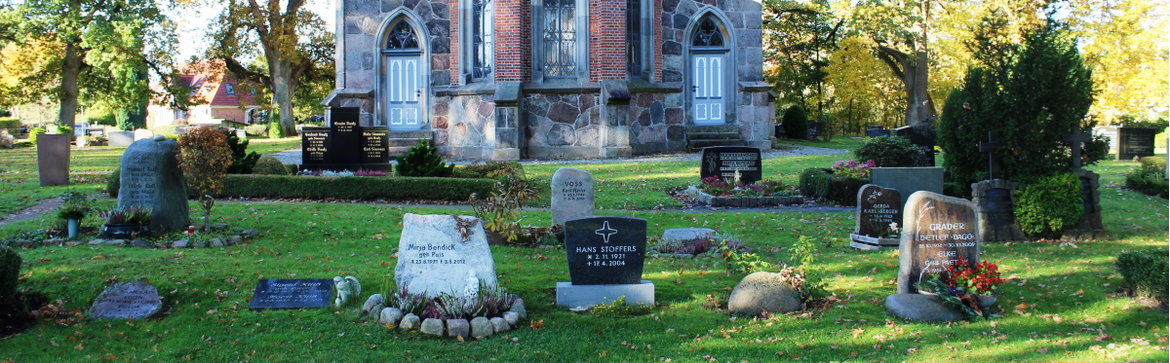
(43, 206)
(294, 157)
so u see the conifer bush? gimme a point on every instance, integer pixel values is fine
(423, 160)
(796, 123)
(242, 160)
(269, 166)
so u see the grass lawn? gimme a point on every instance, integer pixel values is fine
(1061, 302)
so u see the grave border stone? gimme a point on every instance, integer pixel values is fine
(997, 232)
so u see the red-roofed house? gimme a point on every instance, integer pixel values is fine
(216, 98)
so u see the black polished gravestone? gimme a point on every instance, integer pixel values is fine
(292, 293)
(345, 144)
(725, 161)
(605, 249)
(877, 208)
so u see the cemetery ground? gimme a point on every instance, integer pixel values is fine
(1061, 301)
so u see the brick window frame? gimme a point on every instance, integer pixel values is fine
(469, 44)
(645, 35)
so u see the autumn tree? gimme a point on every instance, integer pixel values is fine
(861, 86)
(798, 38)
(292, 41)
(899, 30)
(83, 52)
(1125, 43)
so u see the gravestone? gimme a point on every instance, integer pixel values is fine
(150, 178)
(127, 300)
(606, 256)
(995, 202)
(938, 231)
(725, 161)
(441, 253)
(121, 138)
(908, 180)
(876, 131)
(143, 134)
(877, 207)
(53, 159)
(292, 293)
(1090, 226)
(572, 194)
(345, 144)
(922, 136)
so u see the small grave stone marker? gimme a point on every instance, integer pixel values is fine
(127, 300)
(725, 161)
(150, 178)
(143, 134)
(995, 201)
(606, 256)
(572, 194)
(441, 253)
(1090, 227)
(909, 180)
(877, 207)
(938, 231)
(121, 138)
(292, 293)
(53, 159)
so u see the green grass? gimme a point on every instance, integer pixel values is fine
(1062, 302)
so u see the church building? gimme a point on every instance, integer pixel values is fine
(555, 79)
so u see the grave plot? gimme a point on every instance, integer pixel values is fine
(730, 176)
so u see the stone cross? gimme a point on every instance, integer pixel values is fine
(1075, 140)
(990, 147)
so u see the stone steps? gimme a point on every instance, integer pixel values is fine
(699, 137)
(401, 141)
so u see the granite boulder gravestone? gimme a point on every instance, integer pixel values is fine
(53, 159)
(877, 208)
(908, 180)
(938, 231)
(292, 293)
(995, 201)
(726, 162)
(606, 256)
(442, 254)
(572, 194)
(150, 178)
(127, 300)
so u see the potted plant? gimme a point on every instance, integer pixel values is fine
(126, 223)
(969, 287)
(74, 207)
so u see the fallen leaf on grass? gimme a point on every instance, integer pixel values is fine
(536, 324)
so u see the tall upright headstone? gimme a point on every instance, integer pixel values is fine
(150, 178)
(877, 207)
(443, 254)
(572, 194)
(995, 201)
(1090, 226)
(727, 161)
(53, 159)
(938, 231)
(606, 256)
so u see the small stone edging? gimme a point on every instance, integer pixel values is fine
(480, 327)
(742, 202)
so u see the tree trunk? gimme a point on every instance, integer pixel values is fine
(283, 86)
(70, 69)
(913, 71)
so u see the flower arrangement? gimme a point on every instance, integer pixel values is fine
(74, 206)
(961, 284)
(894, 232)
(853, 169)
(363, 172)
(699, 245)
(132, 216)
(716, 186)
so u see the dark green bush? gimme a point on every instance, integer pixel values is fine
(1096, 149)
(242, 160)
(822, 185)
(423, 160)
(1049, 205)
(888, 151)
(365, 188)
(1148, 181)
(491, 170)
(10, 123)
(795, 123)
(1153, 163)
(268, 165)
(113, 183)
(9, 274)
(1145, 273)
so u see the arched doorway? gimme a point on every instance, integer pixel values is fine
(708, 57)
(403, 85)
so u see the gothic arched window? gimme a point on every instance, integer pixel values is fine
(707, 35)
(402, 37)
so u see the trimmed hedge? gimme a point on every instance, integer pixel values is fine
(1145, 273)
(355, 187)
(1048, 206)
(821, 184)
(9, 123)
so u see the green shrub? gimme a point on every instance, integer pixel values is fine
(242, 160)
(10, 123)
(9, 274)
(1148, 181)
(814, 182)
(888, 151)
(423, 160)
(1048, 206)
(268, 165)
(491, 170)
(1096, 149)
(795, 123)
(1153, 163)
(33, 133)
(1145, 273)
(356, 187)
(822, 185)
(113, 183)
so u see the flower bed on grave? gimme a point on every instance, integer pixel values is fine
(479, 313)
(716, 192)
(709, 245)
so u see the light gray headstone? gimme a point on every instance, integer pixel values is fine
(127, 300)
(438, 255)
(121, 138)
(150, 178)
(572, 194)
(141, 134)
(938, 231)
(909, 180)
